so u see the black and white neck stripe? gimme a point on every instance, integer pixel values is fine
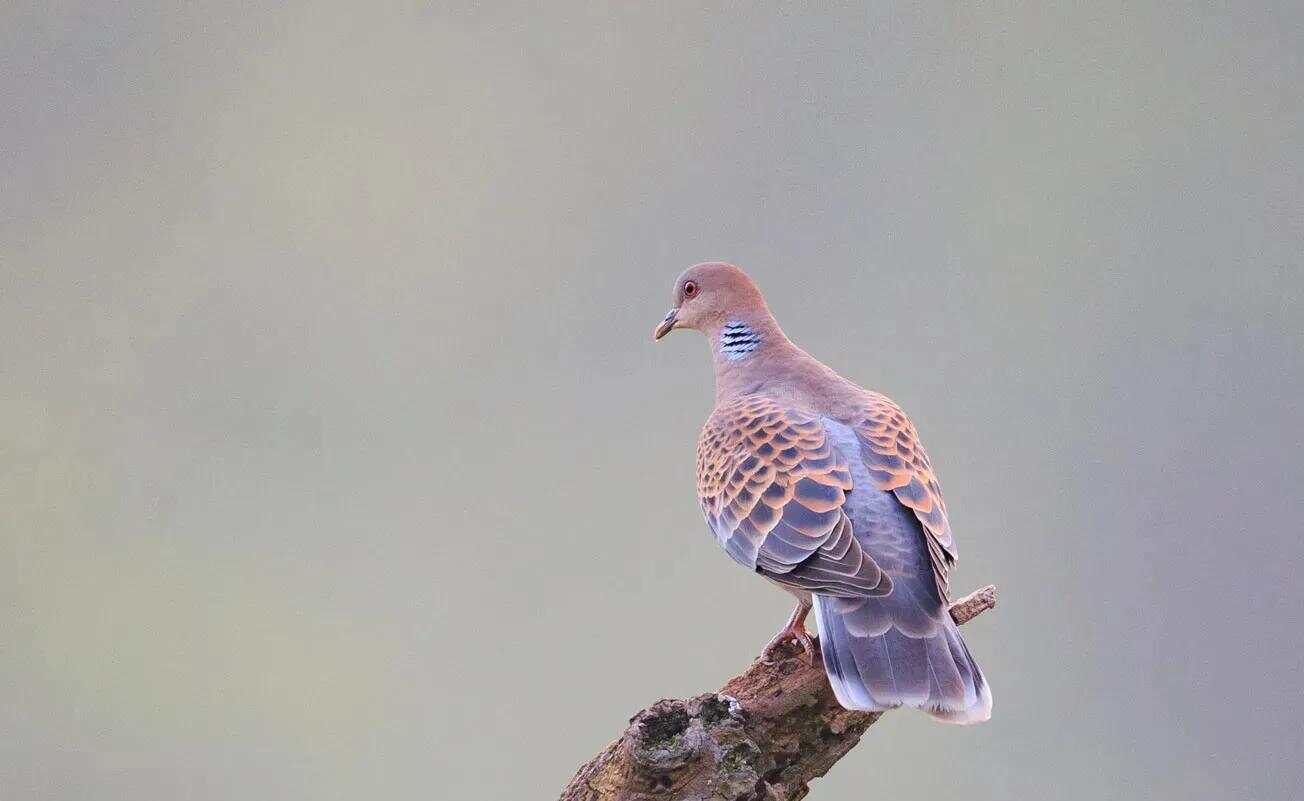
(737, 339)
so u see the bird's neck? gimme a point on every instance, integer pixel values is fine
(747, 352)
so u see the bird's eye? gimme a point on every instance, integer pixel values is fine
(690, 289)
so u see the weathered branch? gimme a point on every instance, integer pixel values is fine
(763, 737)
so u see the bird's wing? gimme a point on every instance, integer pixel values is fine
(897, 462)
(773, 488)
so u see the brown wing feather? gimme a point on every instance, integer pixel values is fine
(772, 489)
(897, 462)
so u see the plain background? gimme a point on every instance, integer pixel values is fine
(336, 461)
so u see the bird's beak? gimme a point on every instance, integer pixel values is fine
(667, 325)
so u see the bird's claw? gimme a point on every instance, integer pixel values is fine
(795, 634)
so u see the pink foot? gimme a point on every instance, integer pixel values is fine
(796, 632)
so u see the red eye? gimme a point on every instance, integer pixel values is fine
(690, 289)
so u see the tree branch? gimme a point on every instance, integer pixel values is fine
(763, 737)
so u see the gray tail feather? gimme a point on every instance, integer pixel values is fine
(882, 653)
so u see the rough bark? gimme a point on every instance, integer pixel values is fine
(762, 737)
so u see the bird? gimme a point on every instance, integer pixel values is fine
(822, 487)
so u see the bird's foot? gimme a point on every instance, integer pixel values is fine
(792, 633)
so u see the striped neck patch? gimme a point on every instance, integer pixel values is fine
(737, 339)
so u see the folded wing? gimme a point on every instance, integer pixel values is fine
(896, 461)
(773, 489)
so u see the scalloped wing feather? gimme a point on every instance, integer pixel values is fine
(897, 462)
(772, 488)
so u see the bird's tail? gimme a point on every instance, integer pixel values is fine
(902, 649)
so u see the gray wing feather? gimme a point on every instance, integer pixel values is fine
(902, 649)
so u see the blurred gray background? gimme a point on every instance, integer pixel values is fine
(336, 461)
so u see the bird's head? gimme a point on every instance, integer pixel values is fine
(712, 297)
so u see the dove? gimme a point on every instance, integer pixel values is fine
(823, 488)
